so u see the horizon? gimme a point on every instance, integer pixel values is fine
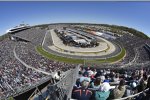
(129, 14)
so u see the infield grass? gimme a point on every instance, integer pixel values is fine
(48, 55)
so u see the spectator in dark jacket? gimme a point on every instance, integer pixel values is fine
(82, 93)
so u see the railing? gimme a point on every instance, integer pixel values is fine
(62, 90)
(124, 98)
(128, 97)
(132, 96)
(32, 87)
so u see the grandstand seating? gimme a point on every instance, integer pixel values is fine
(35, 35)
(136, 81)
(13, 75)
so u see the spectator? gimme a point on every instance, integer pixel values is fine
(116, 78)
(96, 84)
(85, 77)
(86, 74)
(90, 72)
(107, 79)
(94, 72)
(57, 76)
(82, 93)
(142, 84)
(119, 91)
(80, 74)
(147, 93)
(103, 92)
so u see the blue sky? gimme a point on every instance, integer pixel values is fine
(131, 14)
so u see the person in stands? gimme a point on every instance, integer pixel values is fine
(103, 92)
(85, 77)
(96, 84)
(82, 93)
(119, 91)
(116, 78)
(86, 74)
(142, 83)
(147, 93)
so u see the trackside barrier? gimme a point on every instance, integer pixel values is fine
(62, 89)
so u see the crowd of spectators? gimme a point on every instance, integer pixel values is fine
(106, 84)
(132, 43)
(34, 35)
(13, 75)
(142, 55)
(26, 52)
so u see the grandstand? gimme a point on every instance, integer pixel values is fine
(18, 28)
(30, 70)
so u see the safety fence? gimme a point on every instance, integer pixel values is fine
(26, 90)
(61, 90)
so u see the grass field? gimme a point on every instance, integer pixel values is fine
(48, 55)
(58, 58)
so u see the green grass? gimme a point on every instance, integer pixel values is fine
(109, 60)
(10, 98)
(118, 57)
(58, 58)
(48, 55)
